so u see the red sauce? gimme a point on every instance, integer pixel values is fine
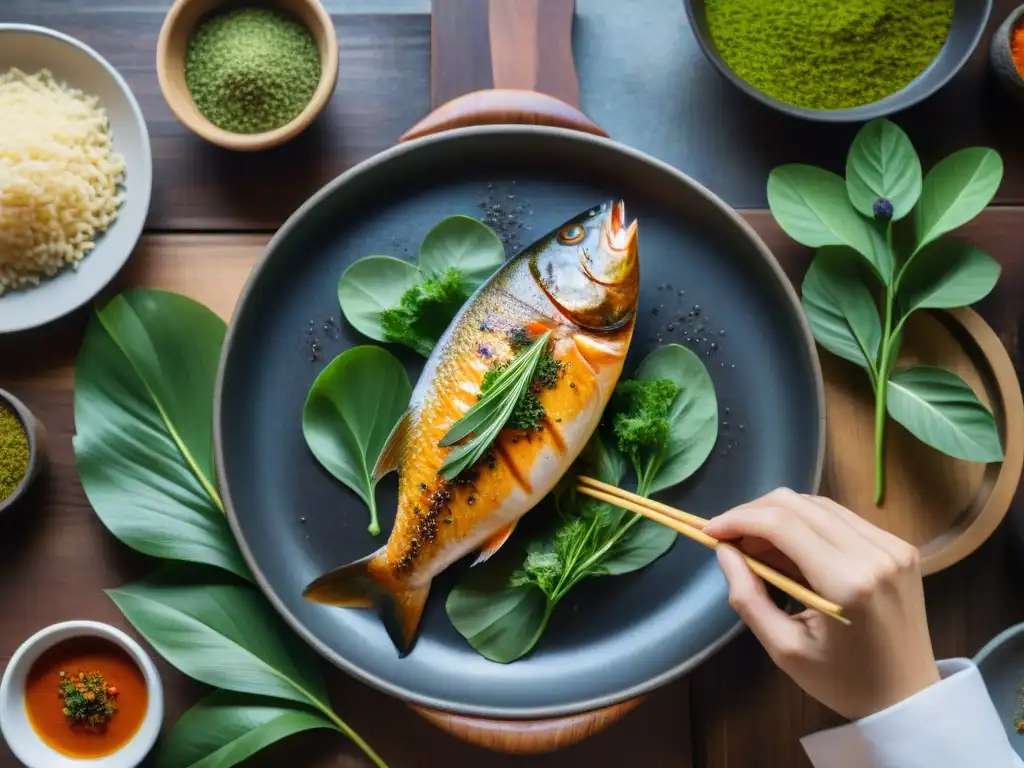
(44, 703)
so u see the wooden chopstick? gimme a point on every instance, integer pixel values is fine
(691, 526)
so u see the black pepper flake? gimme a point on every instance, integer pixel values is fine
(572, 385)
(471, 500)
(423, 486)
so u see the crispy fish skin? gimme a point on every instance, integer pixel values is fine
(581, 283)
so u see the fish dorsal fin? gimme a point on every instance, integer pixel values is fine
(393, 448)
(495, 543)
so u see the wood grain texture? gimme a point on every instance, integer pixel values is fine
(384, 88)
(740, 711)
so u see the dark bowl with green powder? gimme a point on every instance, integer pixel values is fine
(22, 449)
(838, 60)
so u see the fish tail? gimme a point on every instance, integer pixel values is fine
(367, 583)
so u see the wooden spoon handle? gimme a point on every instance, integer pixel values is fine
(502, 61)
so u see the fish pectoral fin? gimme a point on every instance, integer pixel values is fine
(367, 583)
(494, 543)
(391, 454)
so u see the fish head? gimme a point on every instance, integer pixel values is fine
(589, 269)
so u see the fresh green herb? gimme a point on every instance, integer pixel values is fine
(389, 299)
(878, 238)
(424, 311)
(529, 413)
(641, 426)
(492, 412)
(144, 448)
(350, 411)
(503, 606)
(88, 700)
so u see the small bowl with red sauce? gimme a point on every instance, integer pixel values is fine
(81, 693)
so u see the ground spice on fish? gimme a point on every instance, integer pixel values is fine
(828, 54)
(14, 452)
(251, 70)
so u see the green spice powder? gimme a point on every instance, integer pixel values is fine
(829, 54)
(252, 69)
(14, 452)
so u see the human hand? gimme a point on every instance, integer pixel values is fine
(886, 655)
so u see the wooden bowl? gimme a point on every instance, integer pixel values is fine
(944, 506)
(1001, 57)
(170, 68)
(36, 446)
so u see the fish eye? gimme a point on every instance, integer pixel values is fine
(571, 234)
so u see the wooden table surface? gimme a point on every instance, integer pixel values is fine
(213, 212)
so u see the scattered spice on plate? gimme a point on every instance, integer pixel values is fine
(252, 70)
(14, 452)
(828, 54)
(1017, 47)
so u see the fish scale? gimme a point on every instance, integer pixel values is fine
(580, 283)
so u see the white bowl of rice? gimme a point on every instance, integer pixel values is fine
(76, 172)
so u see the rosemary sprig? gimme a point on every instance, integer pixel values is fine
(492, 411)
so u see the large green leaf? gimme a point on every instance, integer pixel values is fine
(221, 633)
(353, 406)
(501, 622)
(938, 408)
(947, 274)
(882, 163)
(812, 206)
(840, 309)
(143, 420)
(693, 419)
(955, 191)
(226, 728)
(371, 285)
(465, 244)
(644, 543)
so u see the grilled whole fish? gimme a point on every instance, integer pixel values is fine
(580, 282)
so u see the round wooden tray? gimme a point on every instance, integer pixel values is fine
(942, 505)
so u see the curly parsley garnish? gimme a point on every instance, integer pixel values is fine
(88, 700)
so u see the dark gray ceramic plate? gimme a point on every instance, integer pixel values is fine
(1002, 666)
(970, 18)
(616, 637)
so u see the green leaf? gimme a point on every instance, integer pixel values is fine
(947, 274)
(372, 285)
(601, 460)
(144, 383)
(840, 309)
(350, 412)
(500, 621)
(466, 244)
(955, 191)
(938, 408)
(812, 206)
(693, 418)
(644, 543)
(226, 728)
(489, 415)
(882, 163)
(221, 633)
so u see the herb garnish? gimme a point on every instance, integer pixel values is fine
(878, 238)
(425, 311)
(666, 422)
(491, 413)
(529, 412)
(88, 700)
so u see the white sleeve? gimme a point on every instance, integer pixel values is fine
(952, 724)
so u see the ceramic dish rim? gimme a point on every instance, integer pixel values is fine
(881, 108)
(145, 189)
(454, 135)
(38, 643)
(997, 642)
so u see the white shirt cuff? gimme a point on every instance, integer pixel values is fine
(952, 724)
